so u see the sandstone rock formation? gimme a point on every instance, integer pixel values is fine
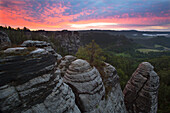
(86, 84)
(65, 62)
(4, 41)
(15, 50)
(113, 101)
(69, 40)
(141, 91)
(31, 43)
(41, 44)
(31, 83)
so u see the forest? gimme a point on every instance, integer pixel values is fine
(117, 50)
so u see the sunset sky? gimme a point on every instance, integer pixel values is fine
(86, 14)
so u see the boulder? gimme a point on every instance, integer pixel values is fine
(141, 91)
(65, 62)
(40, 46)
(15, 50)
(86, 84)
(4, 41)
(33, 43)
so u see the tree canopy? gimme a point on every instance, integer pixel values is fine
(92, 53)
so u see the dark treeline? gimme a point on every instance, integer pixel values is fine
(18, 36)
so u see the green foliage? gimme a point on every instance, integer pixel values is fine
(18, 36)
(162, 67)
(92, 53)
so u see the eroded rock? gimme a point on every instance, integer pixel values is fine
(31, 43)
(69, 40)
(41, 46)
(31, 83)
(4, 40)
(141, 91)
(65, 62)
(114, 100)
(15, 50)
(86, 83)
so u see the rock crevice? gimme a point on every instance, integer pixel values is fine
(142, 89)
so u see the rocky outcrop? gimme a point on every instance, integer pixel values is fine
(31, 83)
(61, 100)
(141, 91)
(16, 50)
(113, 101)
(69, 40)
(86, 84)
(41, 44)
(4, 40)
(33, 43)
(65, 62)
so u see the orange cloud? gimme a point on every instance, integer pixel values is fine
(55, 17)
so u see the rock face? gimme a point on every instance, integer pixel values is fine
(31, 43)
(69, 40)
(31, 83)
(41, 44)
(4, 41)
(141, 91)
(114, 102)
(86, 83)
(65, 62)
(15, 50)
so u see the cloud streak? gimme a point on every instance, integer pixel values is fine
(89, 14)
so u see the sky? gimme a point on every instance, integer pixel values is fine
(145, 15)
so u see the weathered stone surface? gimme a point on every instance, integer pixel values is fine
(15, 50)
(31, 43)
(141, 91)
(69, 40)
(38, 51)
(25, 80)
(41, 46)
(113, 101)
(61, 100)
(65, 62)
(20, 69)
(110, 75)
(86, 84)
(4, 40)
(30, 83)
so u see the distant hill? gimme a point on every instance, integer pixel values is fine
(150, 43)
(105, 39)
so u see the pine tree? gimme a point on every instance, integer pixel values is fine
(92, 53)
